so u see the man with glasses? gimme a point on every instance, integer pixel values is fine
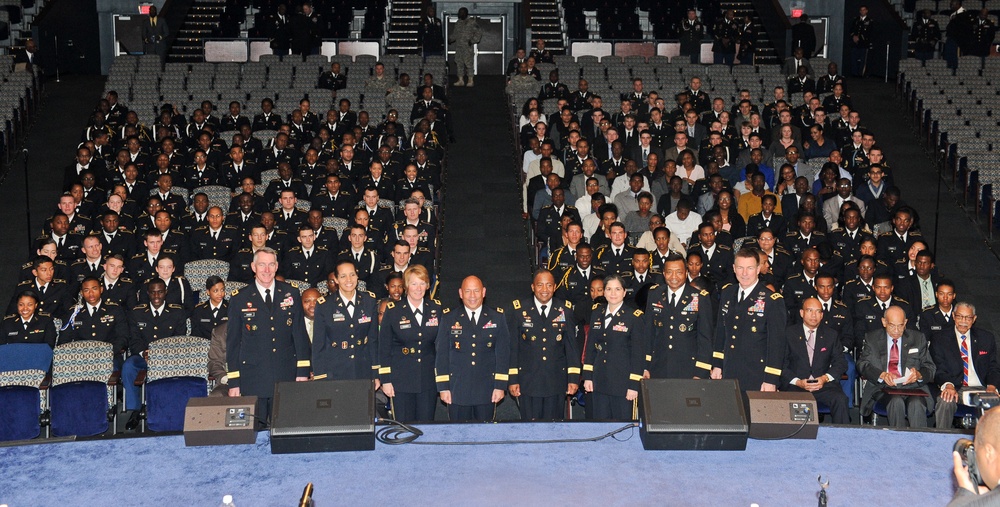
(966, 358)
(897, 365)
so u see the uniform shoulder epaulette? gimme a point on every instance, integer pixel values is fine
(901, 261)
(901, 300)
(109, 303)
(446, 310)
(595, 306)
(234, 292)
(201, 228)
(372, 294)
(140, 307)
(547, 206)
(436, 301)
(58, 280)
(840, 303)
(819, 233)
(44, 313)
(724, 247)
(126, 280)
(202, 304)
(79, 261)
(794, 275)
(928, 307)
(139, 255)
(637, 313)
(322, 299)
(175, 306)
(516, 304)
(27, 265)
(500, 309)
(11, 316)
(389, 306)
(884, 234)
(776, 296)
(423, 249)
(296, 249)
(726, 285)
(230, 227)
(838, 229)
(567, 304)
(866, 298)
(245, 250)
(703, 293)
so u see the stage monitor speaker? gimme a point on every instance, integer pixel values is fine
(778, 415)
(220, 420)
(682, 414)
(336, 415)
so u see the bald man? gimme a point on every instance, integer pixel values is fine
(473, 356)
(987, 447)
(897, 365)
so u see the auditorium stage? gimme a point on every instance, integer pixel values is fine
(864, 466)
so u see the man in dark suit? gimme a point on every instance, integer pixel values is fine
(266, 309)
(897, 366)
(965, 357)
(790, 202)
(920, 288)
(154, 35)
(814, 361)
(680, 318)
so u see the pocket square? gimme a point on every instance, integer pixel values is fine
(822, 349)
(914, 351)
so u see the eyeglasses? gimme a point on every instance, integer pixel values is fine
(964, 317)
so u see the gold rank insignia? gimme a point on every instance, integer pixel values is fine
(517, 305)
(390, 305)
(321, 300)
(289, 322)
(343, 344)
(776, 296)
(637, 313)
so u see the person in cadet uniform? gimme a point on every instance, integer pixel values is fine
(209, 314)
(407, 349)
(52, 293)
(679, 317)
(97, 318)
(473, 356)
(344, 337)
(28, 324)
(614, 359)
(148, 322)
(750, 339)
(267, 314)
(544, 358)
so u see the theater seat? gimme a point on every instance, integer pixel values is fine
(82, 398)
(21, 400)
(177, 372)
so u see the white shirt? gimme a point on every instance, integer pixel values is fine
(974, 380)
(470, 311)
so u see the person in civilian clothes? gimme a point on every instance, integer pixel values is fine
(473, 356)
(545, 361)
(679, 317)
(614, 360)
(814, 362)
(344, 337)
(750, 329)
(966, 358)
(406, 349)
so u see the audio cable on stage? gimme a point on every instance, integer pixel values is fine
(397, 433)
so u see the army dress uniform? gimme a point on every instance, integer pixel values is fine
(868, 313)
(574, 286)
(40, 329)
(750, 338)
(561, 260)
(145, 327)
(256, 326)
(204, 319)
(473, 359)
(544, 358)
(614, 360)
(55, 299)
(209, 244)
(295, 265)
(407, 347)
(344, 337)
(614, 263)
(797, 288)
(108, 324)
(680, 334)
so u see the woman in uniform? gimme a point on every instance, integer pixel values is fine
(28, 325)
(615, 356)
(407, 339)
(213, 312)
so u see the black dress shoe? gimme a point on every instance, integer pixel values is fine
(133, 421)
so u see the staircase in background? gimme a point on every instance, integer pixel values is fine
(201, 18)
(404, 18)
(545, 21)
(765, 51)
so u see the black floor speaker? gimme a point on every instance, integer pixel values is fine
(323, 416)
(780, 415)
(682, 414)
(220, 420)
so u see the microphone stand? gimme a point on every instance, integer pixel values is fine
(27, 201)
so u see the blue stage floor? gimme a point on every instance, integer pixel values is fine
(863, 466)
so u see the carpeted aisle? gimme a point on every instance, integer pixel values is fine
(482, 233)
(863, 466)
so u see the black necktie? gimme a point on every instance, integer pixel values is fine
(62, 241)
(673, 299)
(267, 297)
(25, 325)
(418, 314)
(156, 314)
(215, 313)
(42, 289)
(543, 311)
(742, 295)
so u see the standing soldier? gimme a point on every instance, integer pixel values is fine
(265, 314)
(473, 356)
(464, 36)
(725, 34)
(748, 41)
(692, 31)
(680, 326)
(431, 36)
(925, 35)
(750, 329)
(407, 349)
(983, 33)
(346, 330)
(544, 359)
(614, 359)
(861, 34)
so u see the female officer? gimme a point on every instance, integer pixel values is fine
(28, 325)
(615, 355)
(406, 349)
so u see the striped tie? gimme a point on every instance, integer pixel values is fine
(965, 361)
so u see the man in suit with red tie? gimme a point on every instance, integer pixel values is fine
(814, 362)
(965, 358)
(895, 360)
